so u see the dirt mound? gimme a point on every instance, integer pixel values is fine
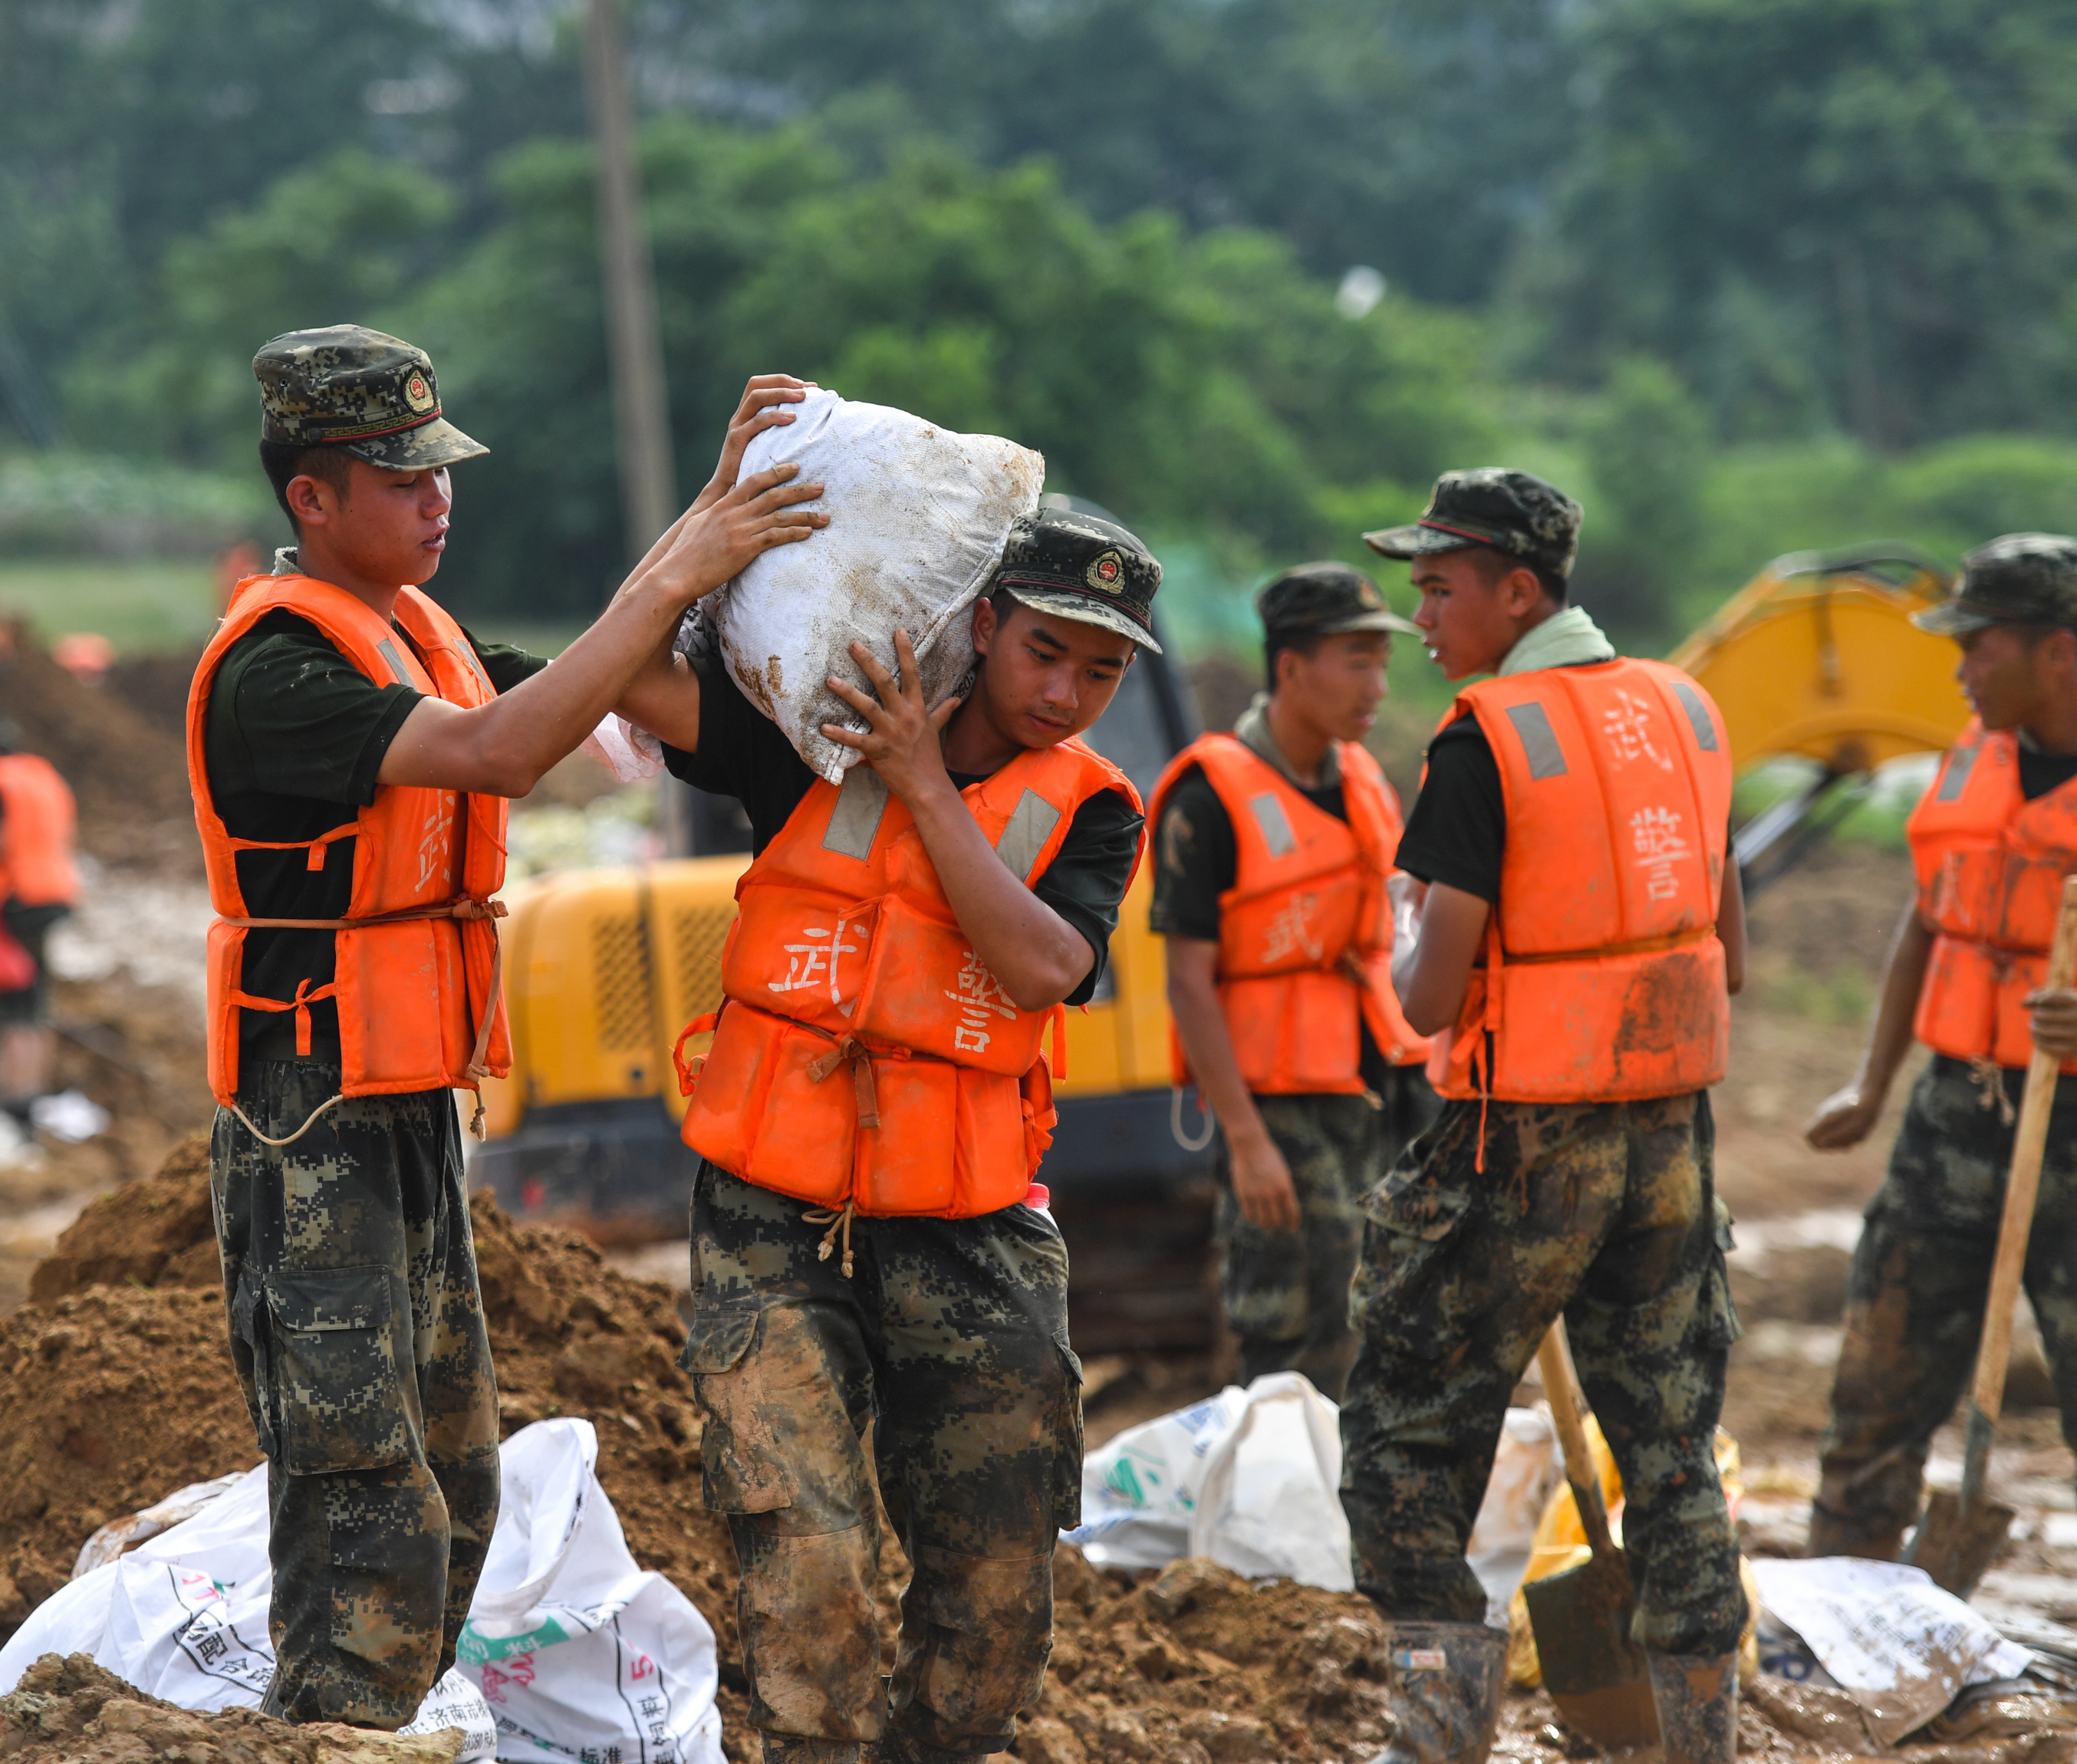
(67, 1710)
(130, 774)
(153, 1233)
(118, 1393)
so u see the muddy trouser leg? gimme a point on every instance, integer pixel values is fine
(1914, 1311)
(1651, 1326)
(358, 1341)
(979, 1441)
(1287, 1292)
(781, 1367)
(1461, 1272)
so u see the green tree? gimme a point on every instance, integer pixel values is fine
(1857, 211)
(1646, 445)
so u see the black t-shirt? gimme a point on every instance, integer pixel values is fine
(1195, 859)
(2040, 773)
(1457, 833)
(295, 736)
(742, 755)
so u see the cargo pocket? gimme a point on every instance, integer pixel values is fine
(743, 1465)
(1718, 1320)
(1410, 1239)
(337, 1399)
(1068, 1441)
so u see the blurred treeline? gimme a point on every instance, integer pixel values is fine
(1747, 276)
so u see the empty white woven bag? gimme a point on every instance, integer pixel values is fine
(919, 516)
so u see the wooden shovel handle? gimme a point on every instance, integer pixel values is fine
(1561, 1388)
(2029, 1143)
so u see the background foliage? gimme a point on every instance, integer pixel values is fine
(1747, 276)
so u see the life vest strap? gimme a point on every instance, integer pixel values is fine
(852, 1049)
(1642, 946)
(318, 848)
(465, 909)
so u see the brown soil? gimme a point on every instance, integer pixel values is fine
(71, 1711)
(129, 773)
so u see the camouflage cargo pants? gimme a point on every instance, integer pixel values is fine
(1286, 1293)
(1915, 1305)
(951, 1338)
(359, 1337)
(1608, 1214)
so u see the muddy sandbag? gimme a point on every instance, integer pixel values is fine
(919, 516)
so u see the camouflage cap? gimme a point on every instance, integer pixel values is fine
(1079, 566)
(1512, 512)
(2021, 579)
(371, 395)
(1325, 600)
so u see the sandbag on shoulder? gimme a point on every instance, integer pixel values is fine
(920, 516)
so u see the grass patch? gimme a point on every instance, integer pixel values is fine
(143, 608)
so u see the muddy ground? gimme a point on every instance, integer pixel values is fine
(1189, 1668)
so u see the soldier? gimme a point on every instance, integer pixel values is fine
(351, 748)
(1273, 845)
(868, 1244)
(1571, 941)
(1991, 840)
(38, 886)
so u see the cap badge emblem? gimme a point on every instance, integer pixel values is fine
(417, 393)
(1106, 572)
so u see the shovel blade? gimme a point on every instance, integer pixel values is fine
(1594, 1672)
(1956, 1541)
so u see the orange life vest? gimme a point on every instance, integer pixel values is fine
(36, 833)
(416, 981)
(1308, 890)
(1991, 865)
(1604, 979)
(845, 953)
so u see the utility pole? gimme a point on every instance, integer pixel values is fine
(641, 412)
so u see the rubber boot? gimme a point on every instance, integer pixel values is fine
(1446, 1682)
(1696, 1696)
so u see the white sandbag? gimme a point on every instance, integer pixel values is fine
(1898, 1644)
(581, 1654)
(183, 1617)
(1528, 1466)
(919, 516)
(1251, 1477)
(1270, 1502)
(571, 1650)
(1140, 1488)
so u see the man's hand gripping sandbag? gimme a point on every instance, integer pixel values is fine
(922, 517)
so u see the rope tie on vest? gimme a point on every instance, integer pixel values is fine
(465, 909)
(852, 1049)
(1991, 1091)
(837, 1221)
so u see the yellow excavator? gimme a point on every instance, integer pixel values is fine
(1816, 658)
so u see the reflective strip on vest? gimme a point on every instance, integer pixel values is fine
(866, 1054)
(1308, 899)
(1605, 979)
(1990, 867)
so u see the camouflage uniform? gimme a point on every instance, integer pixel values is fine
(1286, 1293)
(359, 1339)
(1915, 1307)
(1608, 1213)
(951, 1338)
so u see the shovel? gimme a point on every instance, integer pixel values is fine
(1961, 1534)
(1594, 1672)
